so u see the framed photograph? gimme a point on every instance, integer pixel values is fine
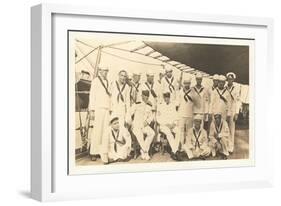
(137, 103)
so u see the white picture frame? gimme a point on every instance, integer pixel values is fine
(50, 181)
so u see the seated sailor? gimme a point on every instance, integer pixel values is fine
(141, 117)
(167, 118)
(196, 145)
(119, 141)
(219, 136)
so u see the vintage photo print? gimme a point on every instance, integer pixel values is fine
(143, 102)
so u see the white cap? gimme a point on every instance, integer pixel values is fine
(197, 117)
(187, 79)
(168, 69)
(215, 77)
(137, 73)
(103, 67)
(129, 74)
(231, 75)
(217, 113)
(221, 78)
(150, 73)
(198, 75)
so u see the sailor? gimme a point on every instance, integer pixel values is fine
(234, 92)
(169, 83)
(99, 107)
(215, 81)
(119, 141)
(120, 99)
(135, 93)
(168, 119)
(211, 92)
(149, 85)
(201, 99)
(185, 108)
(197, 145)
(219, 137)
(220, 101)
(141, 117)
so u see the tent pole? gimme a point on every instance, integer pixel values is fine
(97, 61)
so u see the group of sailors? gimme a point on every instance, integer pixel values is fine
(195, 121)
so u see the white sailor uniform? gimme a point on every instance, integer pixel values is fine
(169, 85)
(135, 92)
(219, 138)
(201, 101)
(120, 101)
(119, 143)
(141, 114)
(234, 106)
(99, 101)
(197, 143)
(185, 111)
(220, 102)
(167, 117)
(154, 94)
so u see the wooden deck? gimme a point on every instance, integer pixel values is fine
(241, 151)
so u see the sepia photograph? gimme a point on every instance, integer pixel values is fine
(159, 100)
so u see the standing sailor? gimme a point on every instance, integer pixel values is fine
(169, 83)
(150, 86)
(135, 92)
(196, 145)
(215, 81)
(119, 141)
(220, 102)
(201, 99)
(185, 108)
(219, 136)
(141, 117)
(120, 100)
(234, 93)
(99, 107)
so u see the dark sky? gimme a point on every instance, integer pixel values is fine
(211, 59)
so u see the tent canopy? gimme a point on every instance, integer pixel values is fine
(153, 57)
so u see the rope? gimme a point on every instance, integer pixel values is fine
(135, 61)
(85, 54)
(108, 45)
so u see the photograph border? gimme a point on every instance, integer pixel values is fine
(167, 166)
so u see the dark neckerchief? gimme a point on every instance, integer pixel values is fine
(221, 94)
(171, 86)
(186, 95)
(151, 89)
(197, 144)
(230, 91)
(104, 86)
(116, 139)
(198, 91)
(218, 129)
(120, 94)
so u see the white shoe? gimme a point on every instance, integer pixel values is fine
(147, 156)
(142, 154)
